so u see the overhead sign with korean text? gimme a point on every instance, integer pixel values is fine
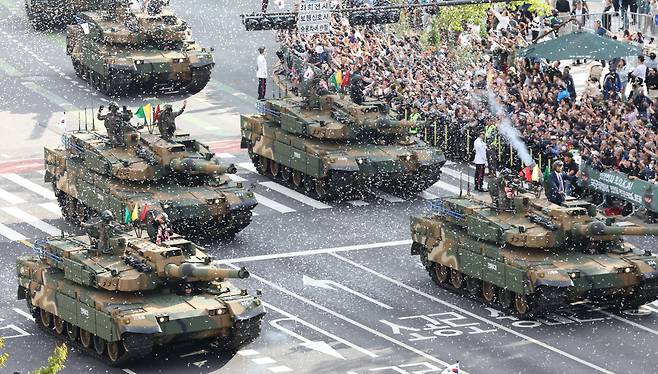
(313, 17)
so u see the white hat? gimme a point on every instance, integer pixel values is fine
(319, 49)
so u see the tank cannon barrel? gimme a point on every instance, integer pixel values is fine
(203, 272)
(600, 228)
(201, 166)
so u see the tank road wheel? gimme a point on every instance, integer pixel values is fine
(99, 345)
(504, 298)
(440, 274)
(286, 173)
(321, 188)
(86, 338)
(275, 168)
(59, 325)
(473, 285)
(77, 68)
(72, 331)
(521, 304)
(456, 278)
(263, 165)
(45, 318)
(297, 178)
(488, 292)
(115, 350)
(309, 185)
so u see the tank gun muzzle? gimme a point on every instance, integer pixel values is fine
(203, 272)
(197, 166)
(599, 228)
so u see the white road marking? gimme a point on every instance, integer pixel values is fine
(10, 233)
(449, 187)
(295, 195)
(321, 331)
(347, 319)
(247, 352)
(273, 204)
(279, 369)
(52, 208)
(428, 196)
(634, 324)
(225, 155)
(263, 360)
(23, 313)
(42, 172)
(236, 178)
(329, 284)
(248, 166)
(388, 197)
(311, 252)
(316, 345)
(40, 190)
(357, 203)
(473, 315)
(10, 197)
(129, 371)
(199, 352)
(32, 221)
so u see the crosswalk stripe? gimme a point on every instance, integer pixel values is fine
(11, 234)
(225, 155)
(428, 196)
(459, 175)
(32, 220)
(10, 197)
(295, 195)
(236, 178)
(42, 172)
(272, 204)
(449, 187)
(248, 166)
(48, 194)
(52, 208)
(388, 197)
(357, 203)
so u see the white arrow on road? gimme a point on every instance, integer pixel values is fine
(329, 285)
(316, 345)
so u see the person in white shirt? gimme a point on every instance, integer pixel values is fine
(640, 71)
(480, 161)
(261, 73)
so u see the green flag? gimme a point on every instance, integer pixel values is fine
(547, 172)
(334, 82)
(140, 113)
(127, 216)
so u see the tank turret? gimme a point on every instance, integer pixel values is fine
(332, 146)
(122, 300)
(48, 14)
(179, 176)
(523, 252)
(119, 48)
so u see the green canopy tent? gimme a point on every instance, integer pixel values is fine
(580, 45)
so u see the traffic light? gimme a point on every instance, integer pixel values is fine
(271, 21)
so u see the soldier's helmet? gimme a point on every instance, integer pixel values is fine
(107, 216)
(114, 105)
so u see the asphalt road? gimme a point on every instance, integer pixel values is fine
(342, 292)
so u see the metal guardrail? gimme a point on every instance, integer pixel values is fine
(615, 24)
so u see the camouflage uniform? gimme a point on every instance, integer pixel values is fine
(113, 122)
(167, 122)
(101, 230)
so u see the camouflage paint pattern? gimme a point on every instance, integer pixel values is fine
(45, 14)
(157, 53)
(548, 255)
(130, 291)
(180, 178)
(341, 144)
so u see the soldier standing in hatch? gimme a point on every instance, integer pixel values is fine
(101, 230)
(167, 121)
(113, 122)
(163, 230)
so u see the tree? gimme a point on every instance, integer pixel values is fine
(55, 362)
(4, 356)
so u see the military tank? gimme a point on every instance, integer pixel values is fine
(118, 49)
(522, 253)
(49, 14)
(179, 177)
(331, 146)
(117, 295)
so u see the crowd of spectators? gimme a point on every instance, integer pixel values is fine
(612, 122)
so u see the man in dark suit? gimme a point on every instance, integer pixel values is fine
(555, 188)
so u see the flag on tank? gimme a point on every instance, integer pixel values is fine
(452, 369)
(144, 112)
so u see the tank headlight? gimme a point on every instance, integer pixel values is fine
(212, 312)
(361, 160)
(627, 270)
(139, 62)
(126, 321)
(181, 60)
(166, 206)
(573, 275)
(163, 318)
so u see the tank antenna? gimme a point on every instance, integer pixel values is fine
(468, 182)
(79, 122)
(460, 184)
(93, 122)
(86, 119)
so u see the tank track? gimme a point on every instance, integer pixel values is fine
(200, 78)
(136, 347)
(244, 332)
